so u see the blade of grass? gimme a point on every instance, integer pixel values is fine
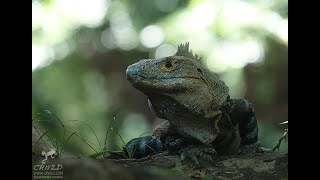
(107, 134)
(91, 130)
(40, 139)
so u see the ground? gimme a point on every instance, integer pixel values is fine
(163, 166)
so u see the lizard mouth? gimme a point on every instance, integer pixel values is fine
(134, 75)
(160, 84)
(160, 78)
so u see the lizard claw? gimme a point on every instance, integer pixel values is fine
(202, 151)
(253, 148)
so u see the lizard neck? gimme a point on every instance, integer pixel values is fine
(166, 107)
(188, 124)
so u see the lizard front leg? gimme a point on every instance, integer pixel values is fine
(194, 152)
(166, 138)
(242, 113)
(143, 147)
(148, 145)
(187, 148)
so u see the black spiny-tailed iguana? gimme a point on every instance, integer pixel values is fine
(201, 119)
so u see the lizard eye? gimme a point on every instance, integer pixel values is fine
(168, 66)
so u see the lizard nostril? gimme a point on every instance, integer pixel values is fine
(130, 72)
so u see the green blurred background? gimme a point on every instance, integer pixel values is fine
(81, 48)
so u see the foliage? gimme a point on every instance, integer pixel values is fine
(81, 48)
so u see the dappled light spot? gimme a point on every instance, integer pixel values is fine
(235, 54)
(165, 50)
(56, 20)
(237, 13)
(41, 56)
(274, 23)
(122, 34)
(89, 12)
(202, 16)
(107, 39)
(126, 38)
(151, 36)
(61, 51)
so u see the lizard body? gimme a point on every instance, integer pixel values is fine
(200, 116)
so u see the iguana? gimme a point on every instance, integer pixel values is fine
(201, 118)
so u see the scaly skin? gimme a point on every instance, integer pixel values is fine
(201, 118)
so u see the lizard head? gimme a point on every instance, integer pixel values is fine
(166, 74)
(176, 75)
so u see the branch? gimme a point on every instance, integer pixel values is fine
(280, 140)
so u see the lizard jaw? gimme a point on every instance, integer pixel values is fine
(144, 83)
